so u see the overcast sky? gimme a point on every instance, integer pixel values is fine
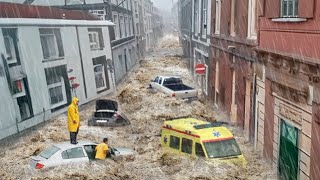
(163, 4)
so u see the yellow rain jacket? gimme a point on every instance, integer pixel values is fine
(73, 116)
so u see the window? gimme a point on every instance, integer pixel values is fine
(122, 28)
(136, 7)
(51, 43)
(218, 16)
(196, 16)
(252, 29)
(220, 149)
(199, 150)
(289, 8)
(204, 18)
(100, 13)
(126, 26)
(49, 152)
(10, 50)
(129, 4)
(137, 29)
(11, 45)
(116, 28)
(73, 153)
(100, 77)
(56, 87)
(130, 26)
(18, 88)
(232, 20)
(95, 38)
(174, 142)
(130, 55)
(186, 146)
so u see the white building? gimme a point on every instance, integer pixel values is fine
(46, 62)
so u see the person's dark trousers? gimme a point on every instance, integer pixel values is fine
(73, 137)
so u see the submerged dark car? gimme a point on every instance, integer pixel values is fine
(107, 114)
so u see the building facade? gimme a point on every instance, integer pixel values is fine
(122, 35)
(288, 86)
(201, 28)
(233, 37)
(131, 37)
(185, 28)
(45, 62)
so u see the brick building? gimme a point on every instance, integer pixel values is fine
(233, 36)
(288, 76)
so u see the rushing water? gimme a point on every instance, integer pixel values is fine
(146, 110)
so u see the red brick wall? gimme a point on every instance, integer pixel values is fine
(241, 18)
(296, 38)
(315, 144)
(225, 17)
(242, 70)
(268, 122)
(225, 80)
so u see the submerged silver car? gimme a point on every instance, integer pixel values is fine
(66, 153)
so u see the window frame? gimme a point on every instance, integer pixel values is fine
(204, 8)
(196, 17)
(116, 21)
(66, 151)
(122, 26)
(196, 152)
(103, 76)
(126, 24)
(95, 42)
(218, 17)
(55, 46)
(64, 93)
(186, 141)
(174, 146)
(12, 58)
(294, 8)
(57, 40)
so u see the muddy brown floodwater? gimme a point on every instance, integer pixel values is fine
(146, 110)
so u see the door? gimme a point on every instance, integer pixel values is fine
(289, 152)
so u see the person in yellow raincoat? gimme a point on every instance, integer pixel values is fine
(73, 120)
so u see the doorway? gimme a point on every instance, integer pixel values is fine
(289, 152)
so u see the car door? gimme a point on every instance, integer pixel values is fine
(90, 151)
(75, 155)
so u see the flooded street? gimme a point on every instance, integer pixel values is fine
(146, 109)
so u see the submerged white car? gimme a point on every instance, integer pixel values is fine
(66, 153)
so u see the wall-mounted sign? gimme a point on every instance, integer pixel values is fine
(290, 114)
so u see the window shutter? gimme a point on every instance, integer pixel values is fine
(305, 8)
(272, 8)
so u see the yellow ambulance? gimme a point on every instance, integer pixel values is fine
(200, 138)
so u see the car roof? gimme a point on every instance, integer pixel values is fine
(168, 76)
(67, 145)
(197, 128)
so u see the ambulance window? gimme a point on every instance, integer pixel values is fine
(175, 142)
(199, 150)
(186, 146)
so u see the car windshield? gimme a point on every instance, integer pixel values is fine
(219, 149)
(49, 152)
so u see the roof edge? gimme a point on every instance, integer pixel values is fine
(51, 22)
